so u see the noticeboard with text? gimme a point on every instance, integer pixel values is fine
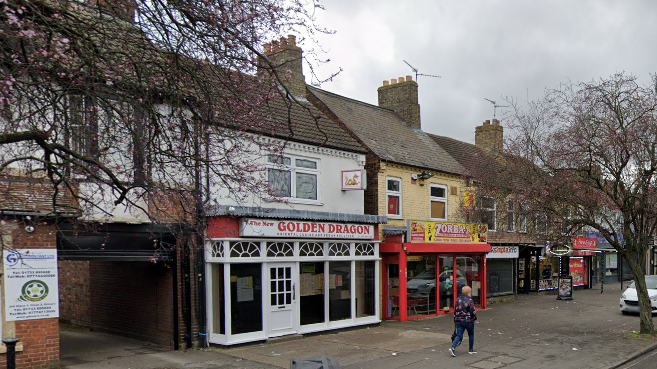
(447, 232)
(30, 284)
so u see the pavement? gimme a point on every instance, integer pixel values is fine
(534, 331)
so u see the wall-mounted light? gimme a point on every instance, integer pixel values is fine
(425, 175)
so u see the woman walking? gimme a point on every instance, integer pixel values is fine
(464, 318)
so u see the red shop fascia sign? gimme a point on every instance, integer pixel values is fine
(250, 227)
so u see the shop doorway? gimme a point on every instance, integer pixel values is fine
(283, 279)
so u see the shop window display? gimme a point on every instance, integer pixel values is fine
(246, 298)
(339, 290)
(311, 293)
(365, 284)
(501, 276)
(578, 269)
(548, 273)
(421, 285)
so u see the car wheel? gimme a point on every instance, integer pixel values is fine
(624, 312)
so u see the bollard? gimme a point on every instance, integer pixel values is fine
(11, 352)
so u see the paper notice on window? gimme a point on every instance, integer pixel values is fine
(244, 289)
(338, 281)
(332, 281)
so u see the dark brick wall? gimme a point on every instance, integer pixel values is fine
(74, 292)
(372, 166)
(132, 298)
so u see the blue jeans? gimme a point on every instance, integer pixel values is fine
(460, 328)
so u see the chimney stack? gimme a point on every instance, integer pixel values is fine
(287, 59)
(490, 136)
(400, 95)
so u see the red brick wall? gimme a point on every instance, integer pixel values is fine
(133, 298)
(74, 292)
(40, 337)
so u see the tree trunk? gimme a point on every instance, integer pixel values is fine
(645, 306)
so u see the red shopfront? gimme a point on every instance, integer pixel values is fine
(423, 277)
(579, 264)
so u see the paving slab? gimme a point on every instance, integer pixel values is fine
(535, 331)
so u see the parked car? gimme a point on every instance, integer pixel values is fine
(629, 301)
(425, 282)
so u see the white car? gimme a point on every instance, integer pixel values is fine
(629, 301)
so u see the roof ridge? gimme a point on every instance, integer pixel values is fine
(351, 99)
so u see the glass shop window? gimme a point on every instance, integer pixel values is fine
(246, 298)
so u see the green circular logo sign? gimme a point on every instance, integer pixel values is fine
(34, 290)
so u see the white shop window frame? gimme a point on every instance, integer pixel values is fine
(217, 251)
(394, 193)
(438, 199)
(293, 169)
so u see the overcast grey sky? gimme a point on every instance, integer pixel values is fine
(483, 49)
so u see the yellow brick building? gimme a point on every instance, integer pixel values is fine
(416, 199)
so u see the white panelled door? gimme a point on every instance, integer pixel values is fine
(283, 298)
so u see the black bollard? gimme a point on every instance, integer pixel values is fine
(11, 352)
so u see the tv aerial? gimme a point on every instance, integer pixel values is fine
(495, 106)
(417, 72)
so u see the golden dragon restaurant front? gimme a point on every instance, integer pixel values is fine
(423, 272)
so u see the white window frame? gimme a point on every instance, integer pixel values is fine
(438, 199)
(494, 209)
(293, 169)
(394, 193)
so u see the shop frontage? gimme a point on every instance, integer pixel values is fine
(274, 277)
(424, 272)
(501, 270)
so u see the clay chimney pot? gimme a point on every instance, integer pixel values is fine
(283, 41)
(400, 79)
(292, 40)
(385, 83)
(393, 81)
(409, 78)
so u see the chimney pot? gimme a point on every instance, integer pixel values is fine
(402, 98)
(496, 122)
(487, 122)
(287, 60)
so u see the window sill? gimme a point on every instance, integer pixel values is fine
(394, 216)
(438, 219)
(290, 200)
